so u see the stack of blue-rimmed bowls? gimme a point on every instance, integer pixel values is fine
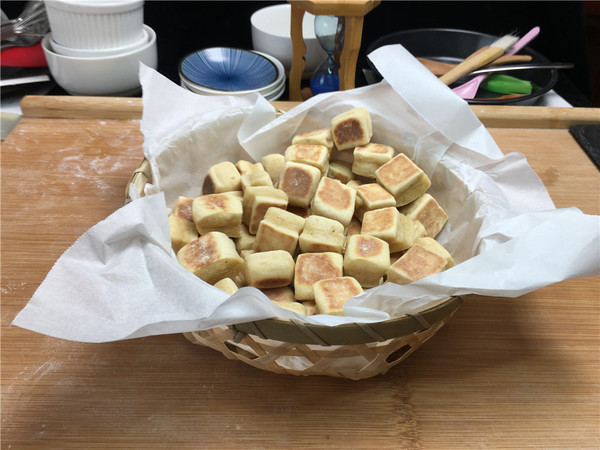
(232, 71)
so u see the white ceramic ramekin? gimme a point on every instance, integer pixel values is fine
(114, 75)
(96, 24)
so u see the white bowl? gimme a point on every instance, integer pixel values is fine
(273, 89)
(271, 35)
(95, 53)
(114, 75)
(98, 24)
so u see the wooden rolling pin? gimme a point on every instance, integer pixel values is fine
(118, 108)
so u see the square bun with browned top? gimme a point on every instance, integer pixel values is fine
(403, 179)
(417, 263)
(366, 258)
(334, 200)
(312, 267)
(352, 128)
(427, 210)
(299, 181)
(181, 223)
(222, 177)
(218, 212)
(211, 257)
(321, 136)
(332, 293)
(270, 269)
(310, 231)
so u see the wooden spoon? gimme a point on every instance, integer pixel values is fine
(440, 68)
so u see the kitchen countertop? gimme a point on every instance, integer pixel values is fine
(503, 372)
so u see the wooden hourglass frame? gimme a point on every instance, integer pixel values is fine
(354, 12)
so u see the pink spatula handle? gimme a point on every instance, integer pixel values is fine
(469, 89)
(530, 36)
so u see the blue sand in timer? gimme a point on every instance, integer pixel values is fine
(329, 31)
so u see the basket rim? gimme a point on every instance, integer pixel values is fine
(296, 332)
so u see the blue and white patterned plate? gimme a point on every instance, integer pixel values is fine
(228, 69)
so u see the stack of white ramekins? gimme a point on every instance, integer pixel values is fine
(95, 46)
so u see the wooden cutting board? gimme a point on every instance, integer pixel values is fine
(504, 373)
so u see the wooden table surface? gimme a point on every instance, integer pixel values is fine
(515, 373)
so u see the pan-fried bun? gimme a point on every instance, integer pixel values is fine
(403, 179)
(268, 269)
(427, 210)
(312, 267)
(352, 128)
(418, 262)
(211, 257)
(181, 223)
(334, 200)
(366, 258)
(222, 177)
(299, 181)
(332, 293)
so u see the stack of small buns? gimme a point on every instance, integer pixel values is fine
(310, 229)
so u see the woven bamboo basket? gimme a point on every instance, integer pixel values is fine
(353, 351)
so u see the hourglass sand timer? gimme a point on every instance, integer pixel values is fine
(329, 31)
(353, 12)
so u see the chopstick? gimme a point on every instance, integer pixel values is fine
(480, 58)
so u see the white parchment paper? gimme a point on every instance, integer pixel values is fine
(121, 280)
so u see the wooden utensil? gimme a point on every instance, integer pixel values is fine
(440, 68)
(480, 58)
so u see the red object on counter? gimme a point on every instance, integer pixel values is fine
(32, 56)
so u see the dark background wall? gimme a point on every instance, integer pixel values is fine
(185, 26)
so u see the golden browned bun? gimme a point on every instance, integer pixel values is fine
(211, 257)
(340, 170)
(370, 157)
(426, 210)
(270, 269)
(352, 128)
(299, 181)
(273, 164)
(398, 230)
(418, 262)
(222, 177)
(257, 200)
(181, 223)
(334, 200)
(279, 230)
(312, 267)
(434, 246)
(280, 294)
(311, 307)
(256, 178)
(371, 196)
(246, 239)
(227, 285)
(245, 167)
(322, 136)
(403, 179)
(311, 154)
(218, 212)
(296, 307)
(321, 234)
(367, 258)
(332, 293)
